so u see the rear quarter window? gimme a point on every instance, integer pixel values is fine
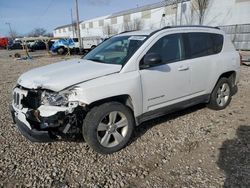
(203, 44)
(218, 41)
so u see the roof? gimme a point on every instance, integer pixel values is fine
(153, 31)
(146, 7)
(95, 19)
(63, 26)
(83, 21)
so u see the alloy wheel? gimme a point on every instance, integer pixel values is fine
(112, 129)
(223, 94)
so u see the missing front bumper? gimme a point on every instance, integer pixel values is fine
(32, 134)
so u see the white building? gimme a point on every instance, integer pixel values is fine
(166, 13)
(65, 31)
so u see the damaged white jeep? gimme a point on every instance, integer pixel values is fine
(130, 78)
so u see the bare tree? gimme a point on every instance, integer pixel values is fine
(189, 16)
(136, 24)
(48, 35)
(199, 9)
(74, 28)
(14, 34)
(37, 32)
(109, 30)
(126, 26)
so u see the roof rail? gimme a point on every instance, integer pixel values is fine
(184, 26)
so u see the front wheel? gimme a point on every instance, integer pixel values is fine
(61, 51)
(108, 128)
(221, 95)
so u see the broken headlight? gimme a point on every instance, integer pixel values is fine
(54, 99)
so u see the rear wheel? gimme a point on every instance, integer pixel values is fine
(221, 95)
(108, 128)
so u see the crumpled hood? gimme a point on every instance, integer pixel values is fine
(59, 76)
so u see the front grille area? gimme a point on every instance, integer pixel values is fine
(17, 99)
(32, 100)
(26, 98)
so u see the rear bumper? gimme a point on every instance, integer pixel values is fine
(31, 134)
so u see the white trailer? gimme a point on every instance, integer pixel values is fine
(91, 42)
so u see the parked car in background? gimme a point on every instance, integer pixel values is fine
(30, 43)
(126, 80)
(4, 42)
(14, 46)
(37, 45)
(19, 43)
(51, 42)
(17, 40)
(62, 46)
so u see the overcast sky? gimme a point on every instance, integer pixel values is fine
(25, 15)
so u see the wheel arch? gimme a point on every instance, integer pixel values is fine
(123, 99)
(230, 75)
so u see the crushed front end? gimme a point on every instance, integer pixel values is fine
(45, 116)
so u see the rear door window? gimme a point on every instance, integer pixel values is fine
(202, 44)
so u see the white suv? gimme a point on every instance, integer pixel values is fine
(128, 79)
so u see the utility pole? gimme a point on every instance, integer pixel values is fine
(78, 27)
(72, 24)
(11, 33)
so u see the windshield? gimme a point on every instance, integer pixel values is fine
(116, 50)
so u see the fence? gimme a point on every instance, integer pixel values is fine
(239, 34)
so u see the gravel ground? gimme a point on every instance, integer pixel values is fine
(196, 147)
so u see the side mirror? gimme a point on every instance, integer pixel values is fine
(151, 60)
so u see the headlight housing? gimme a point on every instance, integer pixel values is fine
(54, 99)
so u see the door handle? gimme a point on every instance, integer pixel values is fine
(183, 68)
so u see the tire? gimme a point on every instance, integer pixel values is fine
(221, 96)
(61, 51)
(92, 47)
(108, 128)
